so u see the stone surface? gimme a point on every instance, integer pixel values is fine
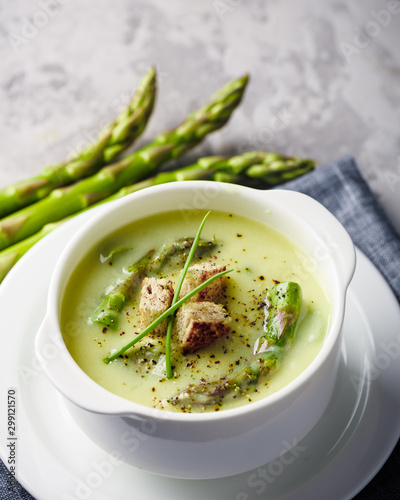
(324, 77)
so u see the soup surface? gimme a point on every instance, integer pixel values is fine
(259, 256)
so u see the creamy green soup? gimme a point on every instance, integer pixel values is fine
(259, 256)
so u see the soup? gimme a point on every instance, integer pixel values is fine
(259, 257)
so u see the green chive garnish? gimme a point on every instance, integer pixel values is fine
(176, 295)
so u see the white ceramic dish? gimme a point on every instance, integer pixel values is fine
(342, 453)
(205, 445)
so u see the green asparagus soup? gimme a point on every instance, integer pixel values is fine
(245, 362)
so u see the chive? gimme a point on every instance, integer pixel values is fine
(176, 295)
(163, 316)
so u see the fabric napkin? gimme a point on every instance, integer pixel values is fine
(340, 187)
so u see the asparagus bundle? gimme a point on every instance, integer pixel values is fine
(63, 202)
(271, 169)
(282, 311)
(113, 140)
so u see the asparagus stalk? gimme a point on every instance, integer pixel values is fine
(113, 140)
(261, 168)
(207, 168)
(179, 251)
(282, 311)
(107, 312)
(68, 200)
(168, 340)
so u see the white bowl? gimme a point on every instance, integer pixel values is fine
(215, 444)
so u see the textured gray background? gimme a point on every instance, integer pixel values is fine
(324, 77)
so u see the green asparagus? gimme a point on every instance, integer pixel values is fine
(282, 311)
(108, 311)
(178, 251)
(207, 168)
(113, 140)
(258, 168)
(68, 200)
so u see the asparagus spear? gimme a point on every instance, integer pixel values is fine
(282, 311)
(63, 202)
(113, 140)
(211, 168)
(178, 250)
(108, 311)
(264, 168)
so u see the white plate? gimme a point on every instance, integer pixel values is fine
(353, 439)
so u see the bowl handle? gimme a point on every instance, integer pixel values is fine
(46, 345)
(333, 241)
(59, 367)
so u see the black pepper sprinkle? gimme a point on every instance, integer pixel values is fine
(262, 278)
(104, 330)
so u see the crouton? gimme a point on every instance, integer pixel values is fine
(199, 324)
(198, 274)
(155, 298)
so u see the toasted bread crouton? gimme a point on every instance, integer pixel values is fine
(199, 324)
(198, 274)
(155, 298)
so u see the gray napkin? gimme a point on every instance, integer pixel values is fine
(340, 187)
